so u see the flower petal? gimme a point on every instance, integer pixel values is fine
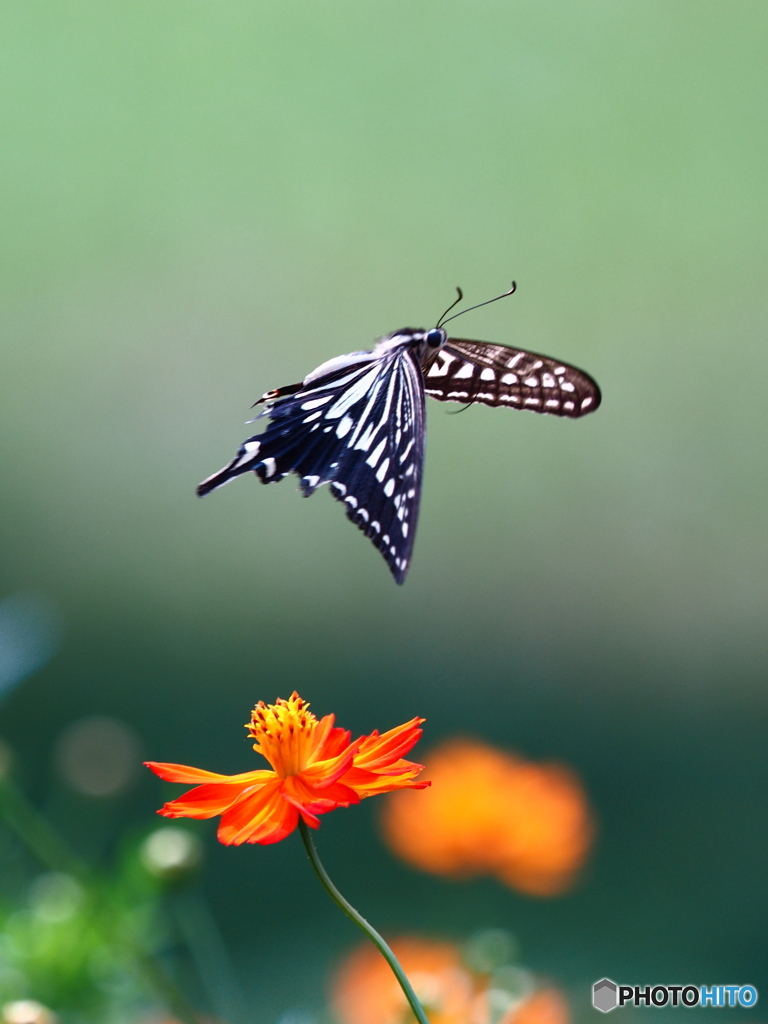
(201, 802)
(259, 817)
(325, 773)
(372, 783)
(317, 799)
(183, 773)
(377, 752)
(334, 743)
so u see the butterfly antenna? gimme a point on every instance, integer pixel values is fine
(469, 309)
(454, 303)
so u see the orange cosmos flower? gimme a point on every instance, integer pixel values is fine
(315, 768)
(491, 812)
(547, 1006)
(364, 991)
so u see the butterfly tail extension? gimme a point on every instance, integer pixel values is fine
(271, 456)
(246, 458)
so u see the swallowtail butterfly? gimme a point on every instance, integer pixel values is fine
(357, 422)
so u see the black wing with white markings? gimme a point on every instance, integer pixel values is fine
(360, 429)
(479, 371)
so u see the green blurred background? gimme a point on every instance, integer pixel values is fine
(203, 201)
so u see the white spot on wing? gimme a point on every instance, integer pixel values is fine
(269, 467)
(509, 378)
(315, 403)
(466, 371)
(364, 442)
(344, 427)
(408, 447)
(389, 487)
(440, 366)
(354, 393)
(375, 455)
(487, 374)
(382, 470)
(250, 449)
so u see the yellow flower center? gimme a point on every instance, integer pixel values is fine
(284, 734)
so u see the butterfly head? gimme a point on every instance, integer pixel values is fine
(426, 344)
(423, 344)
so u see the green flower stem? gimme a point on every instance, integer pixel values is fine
(361, 923)
(37, 835)
(50, 849)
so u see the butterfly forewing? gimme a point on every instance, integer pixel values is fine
(361, 429)
(479, 371)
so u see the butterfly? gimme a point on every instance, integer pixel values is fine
(358, 421)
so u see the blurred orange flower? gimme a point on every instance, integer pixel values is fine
(547, 1006)
(490, 812)
(315, 768)
(365, 991)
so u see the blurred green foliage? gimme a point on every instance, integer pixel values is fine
(79, 943)
(68, 953)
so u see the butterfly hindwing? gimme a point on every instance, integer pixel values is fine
(479, 371)
(361, 430)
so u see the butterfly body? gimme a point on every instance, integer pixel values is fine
(357, 422)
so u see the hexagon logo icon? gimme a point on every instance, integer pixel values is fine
(604, 997)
